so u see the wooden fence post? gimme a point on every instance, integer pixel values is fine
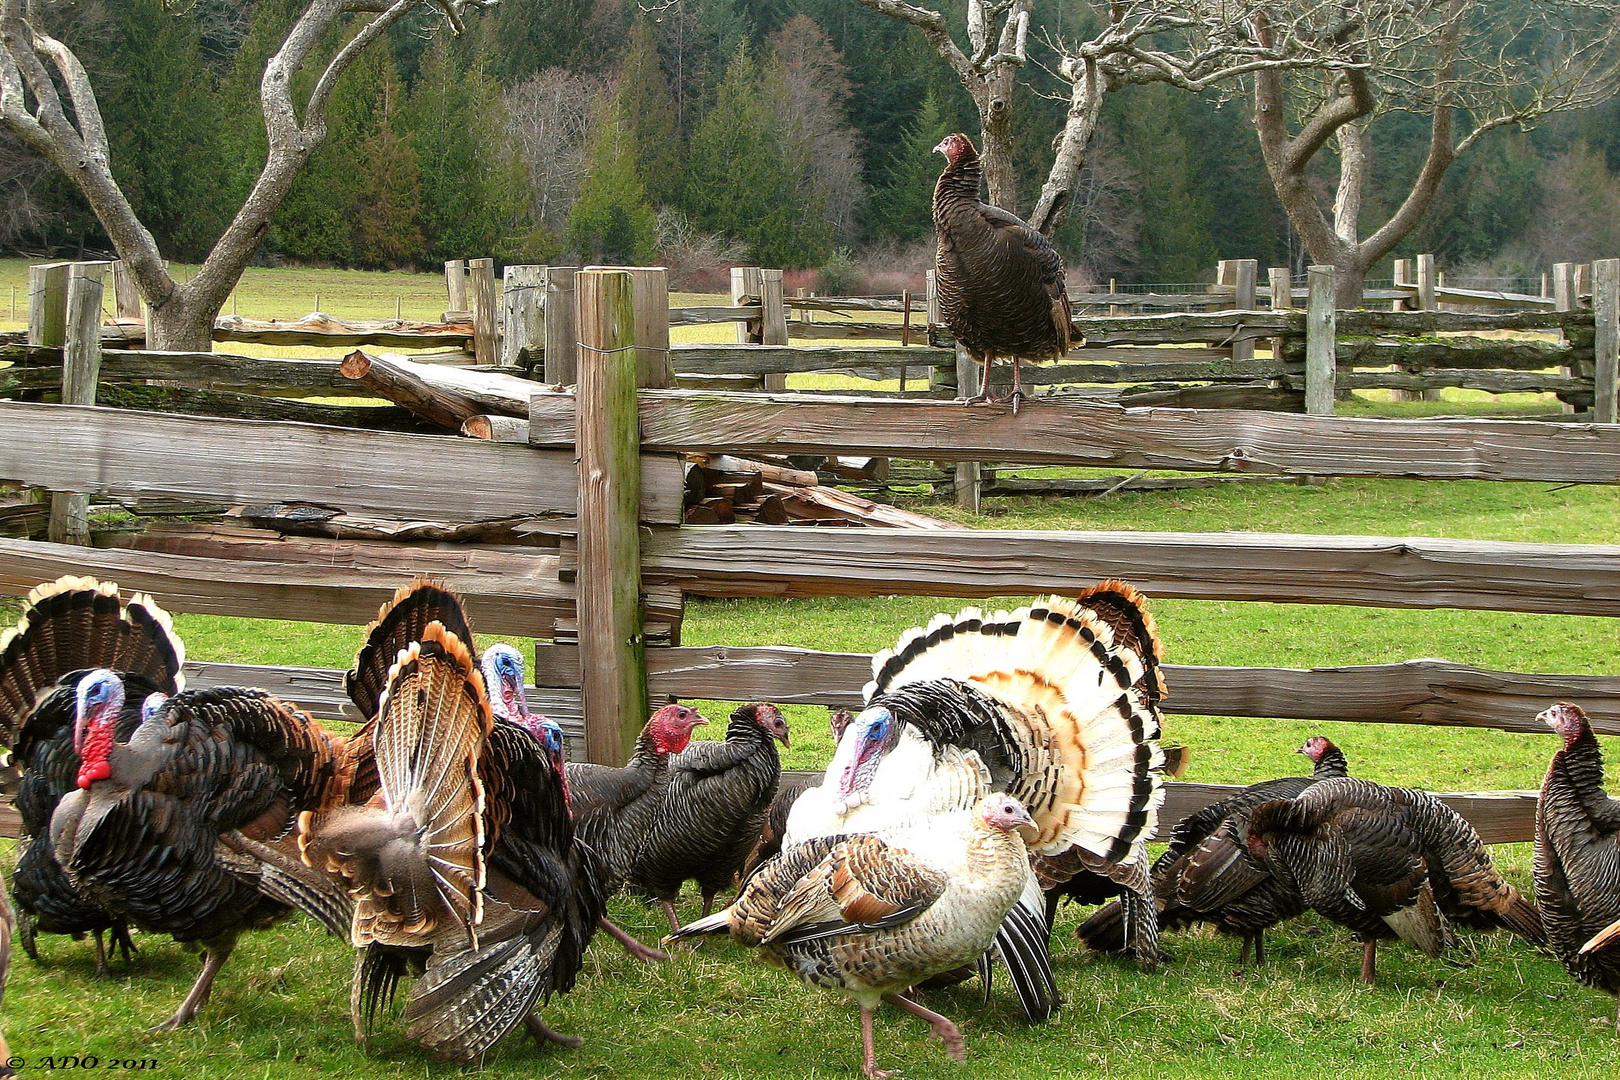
(932, 295)
(1606, 345)
(126, 296)
(1582, 286)
(523, 313)
(968, 487)
(81, 366)
(1321, 326)
(1282, 299)
(746, 285)
(773, 321)
(562, 338)
(1403, 276)
(654, 369)
(612, 652)
(1244, 271)
(481, 293)
(1563, 286)
(47, 303)
(1425, 283)
(455, 284)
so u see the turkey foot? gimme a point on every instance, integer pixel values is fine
(948, 1033)
(544, 1034)
(213, 959)
(869, 1055)
(1369, 956)
(631, 945)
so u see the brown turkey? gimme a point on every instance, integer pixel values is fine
(713, 813)
(1578, 855)
(69, 627)
(614, 809)
(1248, 915)
(1000, 283)
(463, 864)
(1387, 862)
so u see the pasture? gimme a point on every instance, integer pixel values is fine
(280, 1008)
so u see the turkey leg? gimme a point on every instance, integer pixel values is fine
(1369, 955)
(948, 1033)
(669, 910)
(1017, 395)
(631, 945)
(984, 394)
(869, 1055)
(102, 970)
(214, 957)
(544, 1034)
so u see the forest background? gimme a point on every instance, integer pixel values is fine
(702, 133)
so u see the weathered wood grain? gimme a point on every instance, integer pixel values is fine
(1413, 572)
(94, 450)
(1492, 382)
(506, 593)
(446, 396)
(787, 359)
(1429, 322)
(701, 315)
(178, 399)
(1053, 431)
(324, 331)
(1455, 352)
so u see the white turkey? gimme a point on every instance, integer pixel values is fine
(1057, 708)
(875, 915)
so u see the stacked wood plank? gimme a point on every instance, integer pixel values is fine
(722, 489)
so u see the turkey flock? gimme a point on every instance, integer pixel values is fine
(1003, 761)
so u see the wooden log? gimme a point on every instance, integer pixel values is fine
(323, 331)
(709, 359)
(1606, 314)
(495, 427)
(773, 309)
(1243, 275)
(1489, 297)
(47, 303)
(1320, 338)
(1221, 327)
(445, 396)
(22, 520)
(562, 319)
(81, 365)
(1430, 322)
(126, 296)
(175, 399)
(614, 687)
(841, 505)
(455, 284)
(523, 314)
(727, 464)
(1108, 485)
(225, 372)
(746, 286)
(96, 451)
(931, 302)
(1455, 352)
(705, 314)
(1262, 395)
(1491, 382)
(1563, 285)
(485, 310)
(1566, 579)
(505, 593)
(1055, 432)
(302, 519)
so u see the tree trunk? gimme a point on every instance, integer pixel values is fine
(1349, 282)
(1085, 106)
(995, 118)
(181, 325)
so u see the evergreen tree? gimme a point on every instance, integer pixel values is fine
(743, 183)
(1175, 242)
(611, 221)
(648, 109)
(904, 206)
(386, 232)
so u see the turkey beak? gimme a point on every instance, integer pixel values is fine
(1302, 748)
(1023, 820)
(939, 148)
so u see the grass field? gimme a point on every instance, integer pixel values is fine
(280, 1008)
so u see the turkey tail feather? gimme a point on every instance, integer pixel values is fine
(467, 1001)
(74, 623)
(1022, 943)
(399, 622)
(415, 863)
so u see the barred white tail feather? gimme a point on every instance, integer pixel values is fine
(1090, 764)
(433, 719)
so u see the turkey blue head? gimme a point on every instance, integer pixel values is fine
(550, 734)
(154, 701)
(502, 666)
(866, 740)
(99, 698)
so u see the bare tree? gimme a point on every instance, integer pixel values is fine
(1467, 66)
(813, 120)
(71, 135)
(549, 117)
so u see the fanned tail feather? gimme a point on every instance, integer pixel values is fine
(413, 858)
(1021, 940)
(400, 621)
(74, 623)
(468, 1000)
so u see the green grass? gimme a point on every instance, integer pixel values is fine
(280, 1008)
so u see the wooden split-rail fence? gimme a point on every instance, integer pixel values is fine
(566, 526)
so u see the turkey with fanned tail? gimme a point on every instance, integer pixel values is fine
(1052, 706)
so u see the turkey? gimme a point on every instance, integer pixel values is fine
(463, 865)
(614, 809)
(1000, 282)
(873, 916)
(1386, 862)
(788, 790)
(69, 627)
(1248, 915)
(1577, 859)
(1058, 709)
(714, 810)
(179, 828)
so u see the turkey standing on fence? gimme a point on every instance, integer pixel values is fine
(1053, 703)
(874, 916)
(714, 810)
(1249, 914)
(1000, 283)
(614, 809)
(70, 626)
(500, 901)
(1387, 862)
(1578, 855)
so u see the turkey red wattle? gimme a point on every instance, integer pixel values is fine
(100, 698)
